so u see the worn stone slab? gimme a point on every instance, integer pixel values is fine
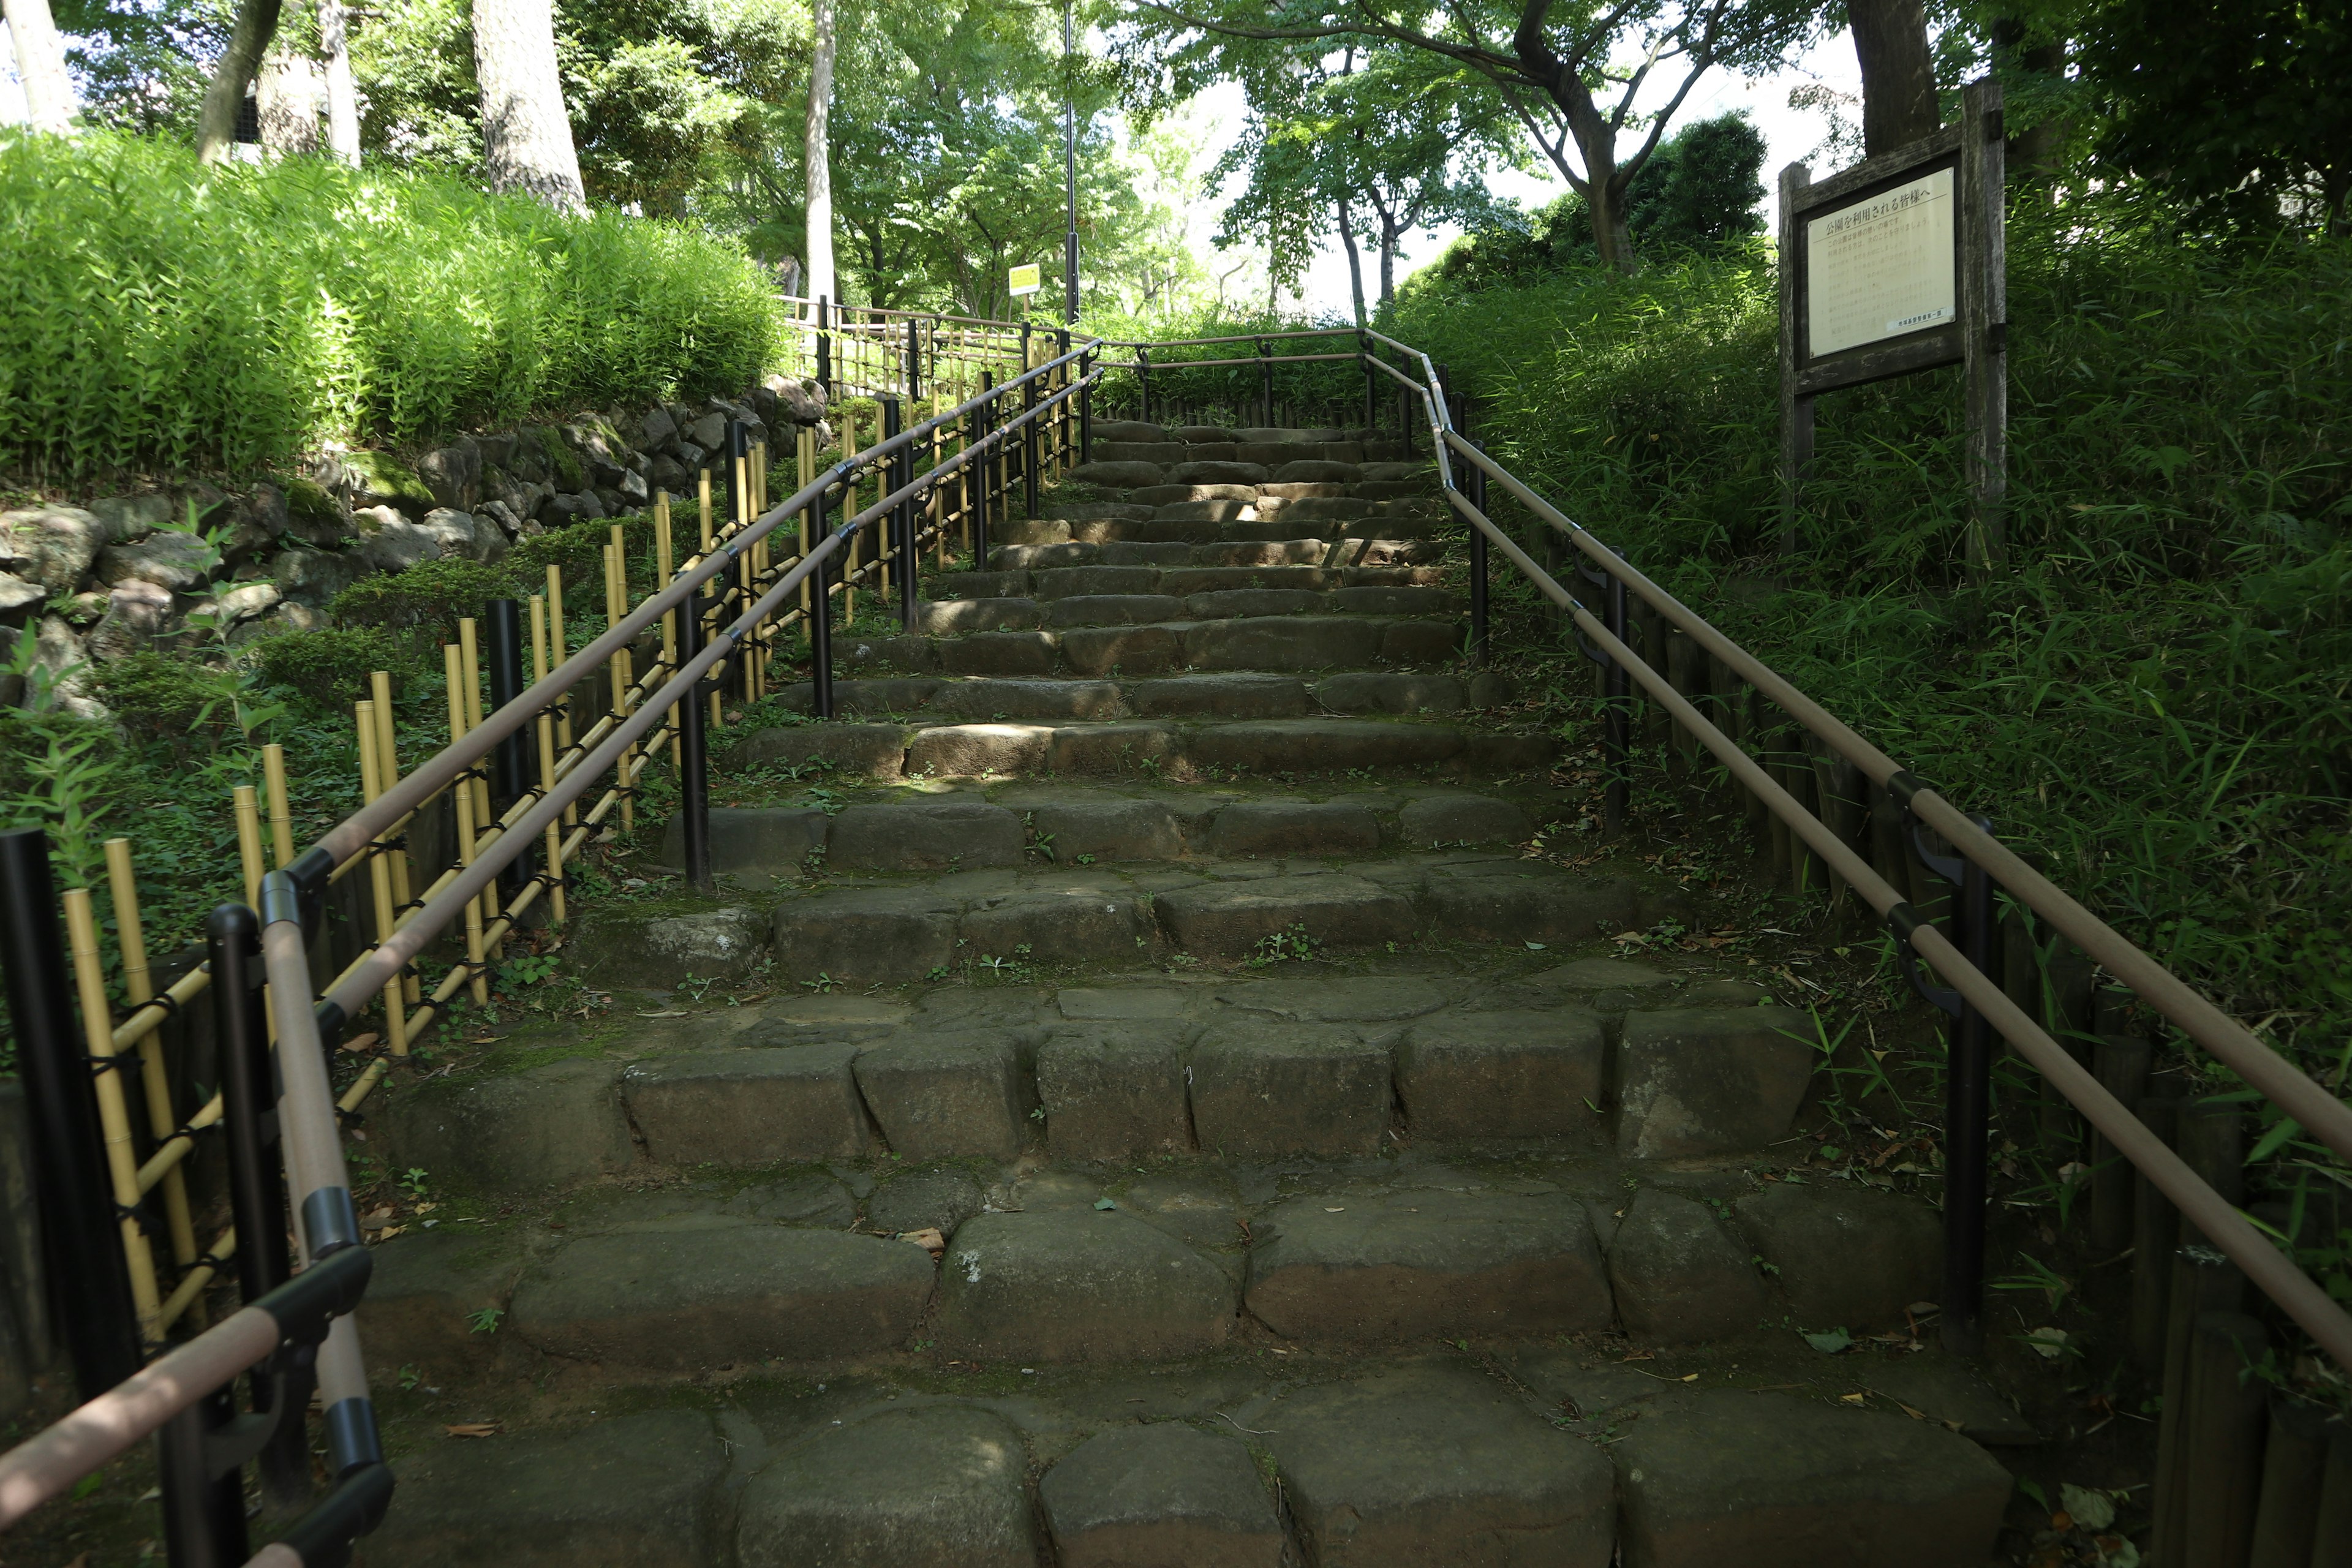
(1261, 1088)
(1013, 699)
(1273, 746)
(1239, 603)
(1029, 557)
(1283, 827)
(1503, 1075)
(1069, 581)
(1109, 830)
(1350, 999)
(819, 1015)
(546, 1127)
(949, 1094)
(925, 836)
(1386, 691)
(629, 1491)
(957, 617)
(1702, 1081)
(1002, 584)
(1123, 651)
(1602, 973)
(1438, 1464)
(1144, 747)
(1229, 919)
(1163, 1496)
(1114, 1090)
(424, 1290)
(747, 1107)
(1219, 697)
(958, 751)
(1413, 1265)
(696, 1292)
(1496, 752)
(881, 934)
(860, 751)
(617, 946)
(1079, 1284)
(938, 1199)
(880, 695)
(911, 654)
(1121, 1004)
(1449, 819)
(802, 1197)
(998, 653)
(1770, 1481)
(1113, 610)
(1951, 1391)
(1118, 475)
(937, 1486)
(1060, 918)
(1396, 599)
(1283, 642)
(776, 840)
(1847, 1257)
(1679, 1276)
(1510, 900)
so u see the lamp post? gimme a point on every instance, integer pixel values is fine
(1069, 171)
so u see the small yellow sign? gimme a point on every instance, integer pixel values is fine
(1025, 280)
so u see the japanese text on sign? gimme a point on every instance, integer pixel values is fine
(1881, 267)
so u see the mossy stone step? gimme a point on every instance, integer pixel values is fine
(1160, 644)
(1143, 606)
(1050, 582)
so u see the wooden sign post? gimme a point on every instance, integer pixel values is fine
(1894, 266)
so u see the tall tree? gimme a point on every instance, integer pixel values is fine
(1898, 73)
(343, 99)
(1573, 72)
(816, 155)
(526, 134)
(40, 65)
(287, 101)
(248, 40)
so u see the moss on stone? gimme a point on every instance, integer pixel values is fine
(570, 476)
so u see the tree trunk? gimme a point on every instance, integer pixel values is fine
(343, 99)
(817, 158)
(1898, 74)
(526, 134)
(287, 106)
(1388, 266)
(257, 25)
(1612, 239)
(1355, 260)
(2033, 144)
(41, 65)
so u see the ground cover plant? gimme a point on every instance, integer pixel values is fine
(159, 314)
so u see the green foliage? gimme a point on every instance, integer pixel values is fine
(2150, 701)
(1701, 191)
(326, 667)
(232, 317)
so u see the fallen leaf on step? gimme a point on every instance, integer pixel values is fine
(929, 1240)
(1915, 1415)
(1334, 1211)
(361, 1042)
(388, 1231)
(473, 1429)
(1690, 1377)
(666, 1013)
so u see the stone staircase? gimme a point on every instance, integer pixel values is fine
(1136, 1103)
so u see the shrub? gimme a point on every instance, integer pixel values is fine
(235, 316)
(328, 668)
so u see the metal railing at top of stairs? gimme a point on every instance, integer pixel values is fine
(298, 1334)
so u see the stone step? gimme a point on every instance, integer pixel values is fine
(1047, 583)
(1149, 646)
(1406, 1460)
(1046, 824)
(1348, 555)
(1144, 606)
(1073, 1262)
(1161, 750)
(1249, 695)
(1362, 527)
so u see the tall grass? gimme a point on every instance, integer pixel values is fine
(156, 313)
(2152, 700)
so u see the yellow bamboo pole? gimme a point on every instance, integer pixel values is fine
(666, 570)
(281, 821)
(613, 595)
(113, 1112)
(453, 663)
(249, 842)
(538, 669)
(387, 768)
(387, 918)
(138, 988)
(709, 542)
(559, 652)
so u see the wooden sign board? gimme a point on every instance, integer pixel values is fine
(1025, 280)
(1897, 266)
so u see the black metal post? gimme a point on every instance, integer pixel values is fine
(81, 1244)
(914, 360)
(257, 1180)
(820, 616)
(1617, 718)
(1968, 1108)
(1029, 448)
(1063, 416)
(203, 1514)
(511, 769)
(896, 473)
(735, 596)
(1372, 384)
(1478, 576)
(1143, 384)
(823, 347)
(1265, 380)
(987, 418)
(1086, 409)
(693, 752)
